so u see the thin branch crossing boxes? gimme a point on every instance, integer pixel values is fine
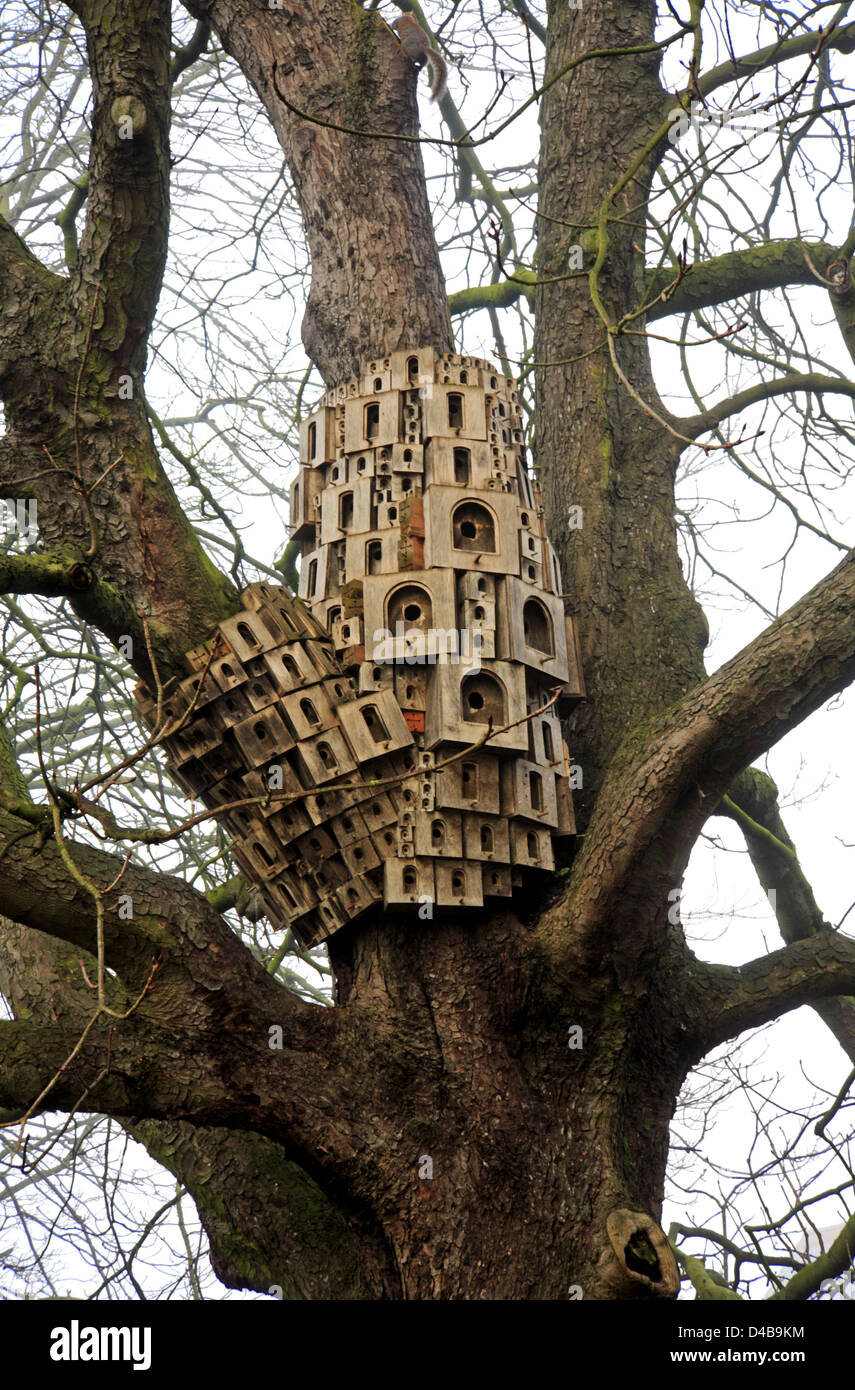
(391, 736)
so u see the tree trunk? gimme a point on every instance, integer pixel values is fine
(535, 1135)
(485, 1112)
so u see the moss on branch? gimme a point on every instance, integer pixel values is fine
(499, 296)
(767, 266)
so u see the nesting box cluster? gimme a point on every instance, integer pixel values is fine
(400, 725)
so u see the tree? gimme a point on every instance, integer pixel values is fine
(449, 1040)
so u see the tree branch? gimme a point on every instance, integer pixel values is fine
(144, 911)
(753, 804)
(33, 290)
(74, 351)
(128, 191)
(695, 425)
(345, 71)
(707, 1284)
(499, 296)
(197, 1047)
(836, 1259)
(67, 220)
(773, 55)
(268, 1222)
(767, 266)
(665, 779)
(52, 574)
(723, 1001)
(529, 19)
(21, 271)
(185, 57)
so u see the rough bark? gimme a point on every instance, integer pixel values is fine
(376, 280)
(71, 350)
(270, 1226)
(450, 1042)
(641, 630)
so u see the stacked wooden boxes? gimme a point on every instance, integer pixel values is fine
(271, 731)
(392, 734)
(429, 566)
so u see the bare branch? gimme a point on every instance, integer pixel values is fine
(753, 804)
(664, 781)
(300, 1241)
(767, 266)
(842, 40)
(815, 382)
(726, 1000)
(836, 1259)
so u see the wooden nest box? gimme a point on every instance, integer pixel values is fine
(378, 726)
